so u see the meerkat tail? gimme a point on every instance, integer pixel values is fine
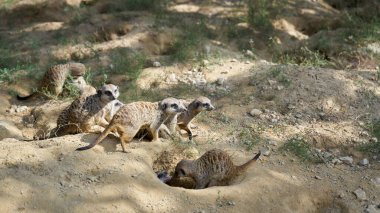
(99, 139)
(250, 162)
(23, 98)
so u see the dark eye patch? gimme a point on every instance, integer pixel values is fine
(175, 106)
(206, 104)
(182, 171)
(109, 93)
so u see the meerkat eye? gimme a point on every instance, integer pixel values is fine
(206, 104)
(109, 93)
(175, 106)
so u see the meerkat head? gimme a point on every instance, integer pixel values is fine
(77, 69)
(203, 104)
(171, 106)
(183, 169)
(108, 92)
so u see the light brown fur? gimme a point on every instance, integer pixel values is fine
(134, 116)
(54, 79)
(86, 114)
(193, 109)
(214, 168)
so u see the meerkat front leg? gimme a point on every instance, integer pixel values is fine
(187, 129)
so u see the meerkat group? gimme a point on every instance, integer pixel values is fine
(97, 111)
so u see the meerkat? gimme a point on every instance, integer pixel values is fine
(55, 77)
(85, 113)
(134, 116)
(214, 168)
(193, 108)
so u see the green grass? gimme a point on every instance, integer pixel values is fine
(300, 148)
(249, 137)
(127, 61)
(373, 147)
(258, 14)
(303, 56)
(11, 75)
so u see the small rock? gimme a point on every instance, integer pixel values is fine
(92, 179)
(376, 181)
(21, 109)
(279, 87)
(360, 194)
(9, 130)
(373, 140)
(205, 62)
(341, 194)
(274, 120)
(372, 209)
(273, 143)
(317, 177)
(364, 162)
(347, 160)
(247, 62)
(172, 78)
(327, 155)
(156, 64)
(271, 82)
(298, 116)
(230, 203)
(234, 60)
(220, 81)
(255, 112)
(249, 53)
(265, 151)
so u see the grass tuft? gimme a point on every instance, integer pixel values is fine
(300, 148)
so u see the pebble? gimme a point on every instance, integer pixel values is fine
(171, 78)
(247, 62)
(220, 81)
(376, 181)
(347, 160)
(156, 64)
(373, 140)
(271, 82)
(249, 53)
(336, 161)
(255, 112)
(273, 143)
(364, 162)
(372, 209)
(234, 60)
(360, 194)
(265, 151)
(317, 177)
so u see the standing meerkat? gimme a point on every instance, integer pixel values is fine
(85, 113)
(193, 109)
(54, 78)
(213, 168)
(134, 116)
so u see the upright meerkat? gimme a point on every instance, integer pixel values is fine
(214, 168)
(134, 116)
(54, 78)
(85, 113)
(194, 108)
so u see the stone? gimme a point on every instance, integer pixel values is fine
(172, 78)
(156, 64)
(372, 209)
(317, 177)
(376, 181)
(9, 130)
(265, 151)
(21, 109)
(255, 112)
(360, 194)
(271, 82)
(373, 140)
(249, 53)
(273, 143)
(220, 81)
(234, 60)
(364, 162)
(347, 160)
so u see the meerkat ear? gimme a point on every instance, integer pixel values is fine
(197, 104)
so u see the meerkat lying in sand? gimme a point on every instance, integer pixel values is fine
(134, 116)
(214, 168)
(54, 79)
(86, 114)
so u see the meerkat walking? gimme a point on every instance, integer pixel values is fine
(194, 108)
(134, 116)
(214, 168)
(85, 113)
(54, 78)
